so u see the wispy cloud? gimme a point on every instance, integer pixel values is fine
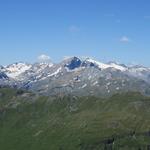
(124, 39)
(44, 58)
(74, 28)
(147, 17)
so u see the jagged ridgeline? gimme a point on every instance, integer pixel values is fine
(32, 122)
(77, 76)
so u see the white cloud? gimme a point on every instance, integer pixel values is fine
(74, 28)
(44, 58)
(124, 39)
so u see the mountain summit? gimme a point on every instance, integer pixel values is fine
(77, 77)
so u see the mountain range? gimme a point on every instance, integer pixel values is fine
(76, 76)
(77, 104)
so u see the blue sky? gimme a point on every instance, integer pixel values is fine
(108, 30)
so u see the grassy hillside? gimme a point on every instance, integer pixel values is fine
(31, 122)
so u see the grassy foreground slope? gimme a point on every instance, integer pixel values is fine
(31, 122)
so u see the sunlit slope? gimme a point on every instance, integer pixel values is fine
(32, 122)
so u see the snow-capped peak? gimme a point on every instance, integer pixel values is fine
(16, 69)
(118, 66)
(139, 68)
(105, 66)
(97, 63)
(72, 63)
(43, 65)
(75, 62)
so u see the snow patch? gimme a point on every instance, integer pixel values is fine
(96, 82)
(83, 86)
(15, 70)
(117, 88)
(118, 67)
(105, 66)
(56, 72)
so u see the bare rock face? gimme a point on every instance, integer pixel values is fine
(76, 76)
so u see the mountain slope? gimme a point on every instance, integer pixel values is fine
(77, 76)
(28, 121)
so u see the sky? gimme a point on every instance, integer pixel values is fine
(107, 30)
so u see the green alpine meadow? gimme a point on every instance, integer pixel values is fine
(32, 122)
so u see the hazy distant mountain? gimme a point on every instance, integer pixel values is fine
(77, 76)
